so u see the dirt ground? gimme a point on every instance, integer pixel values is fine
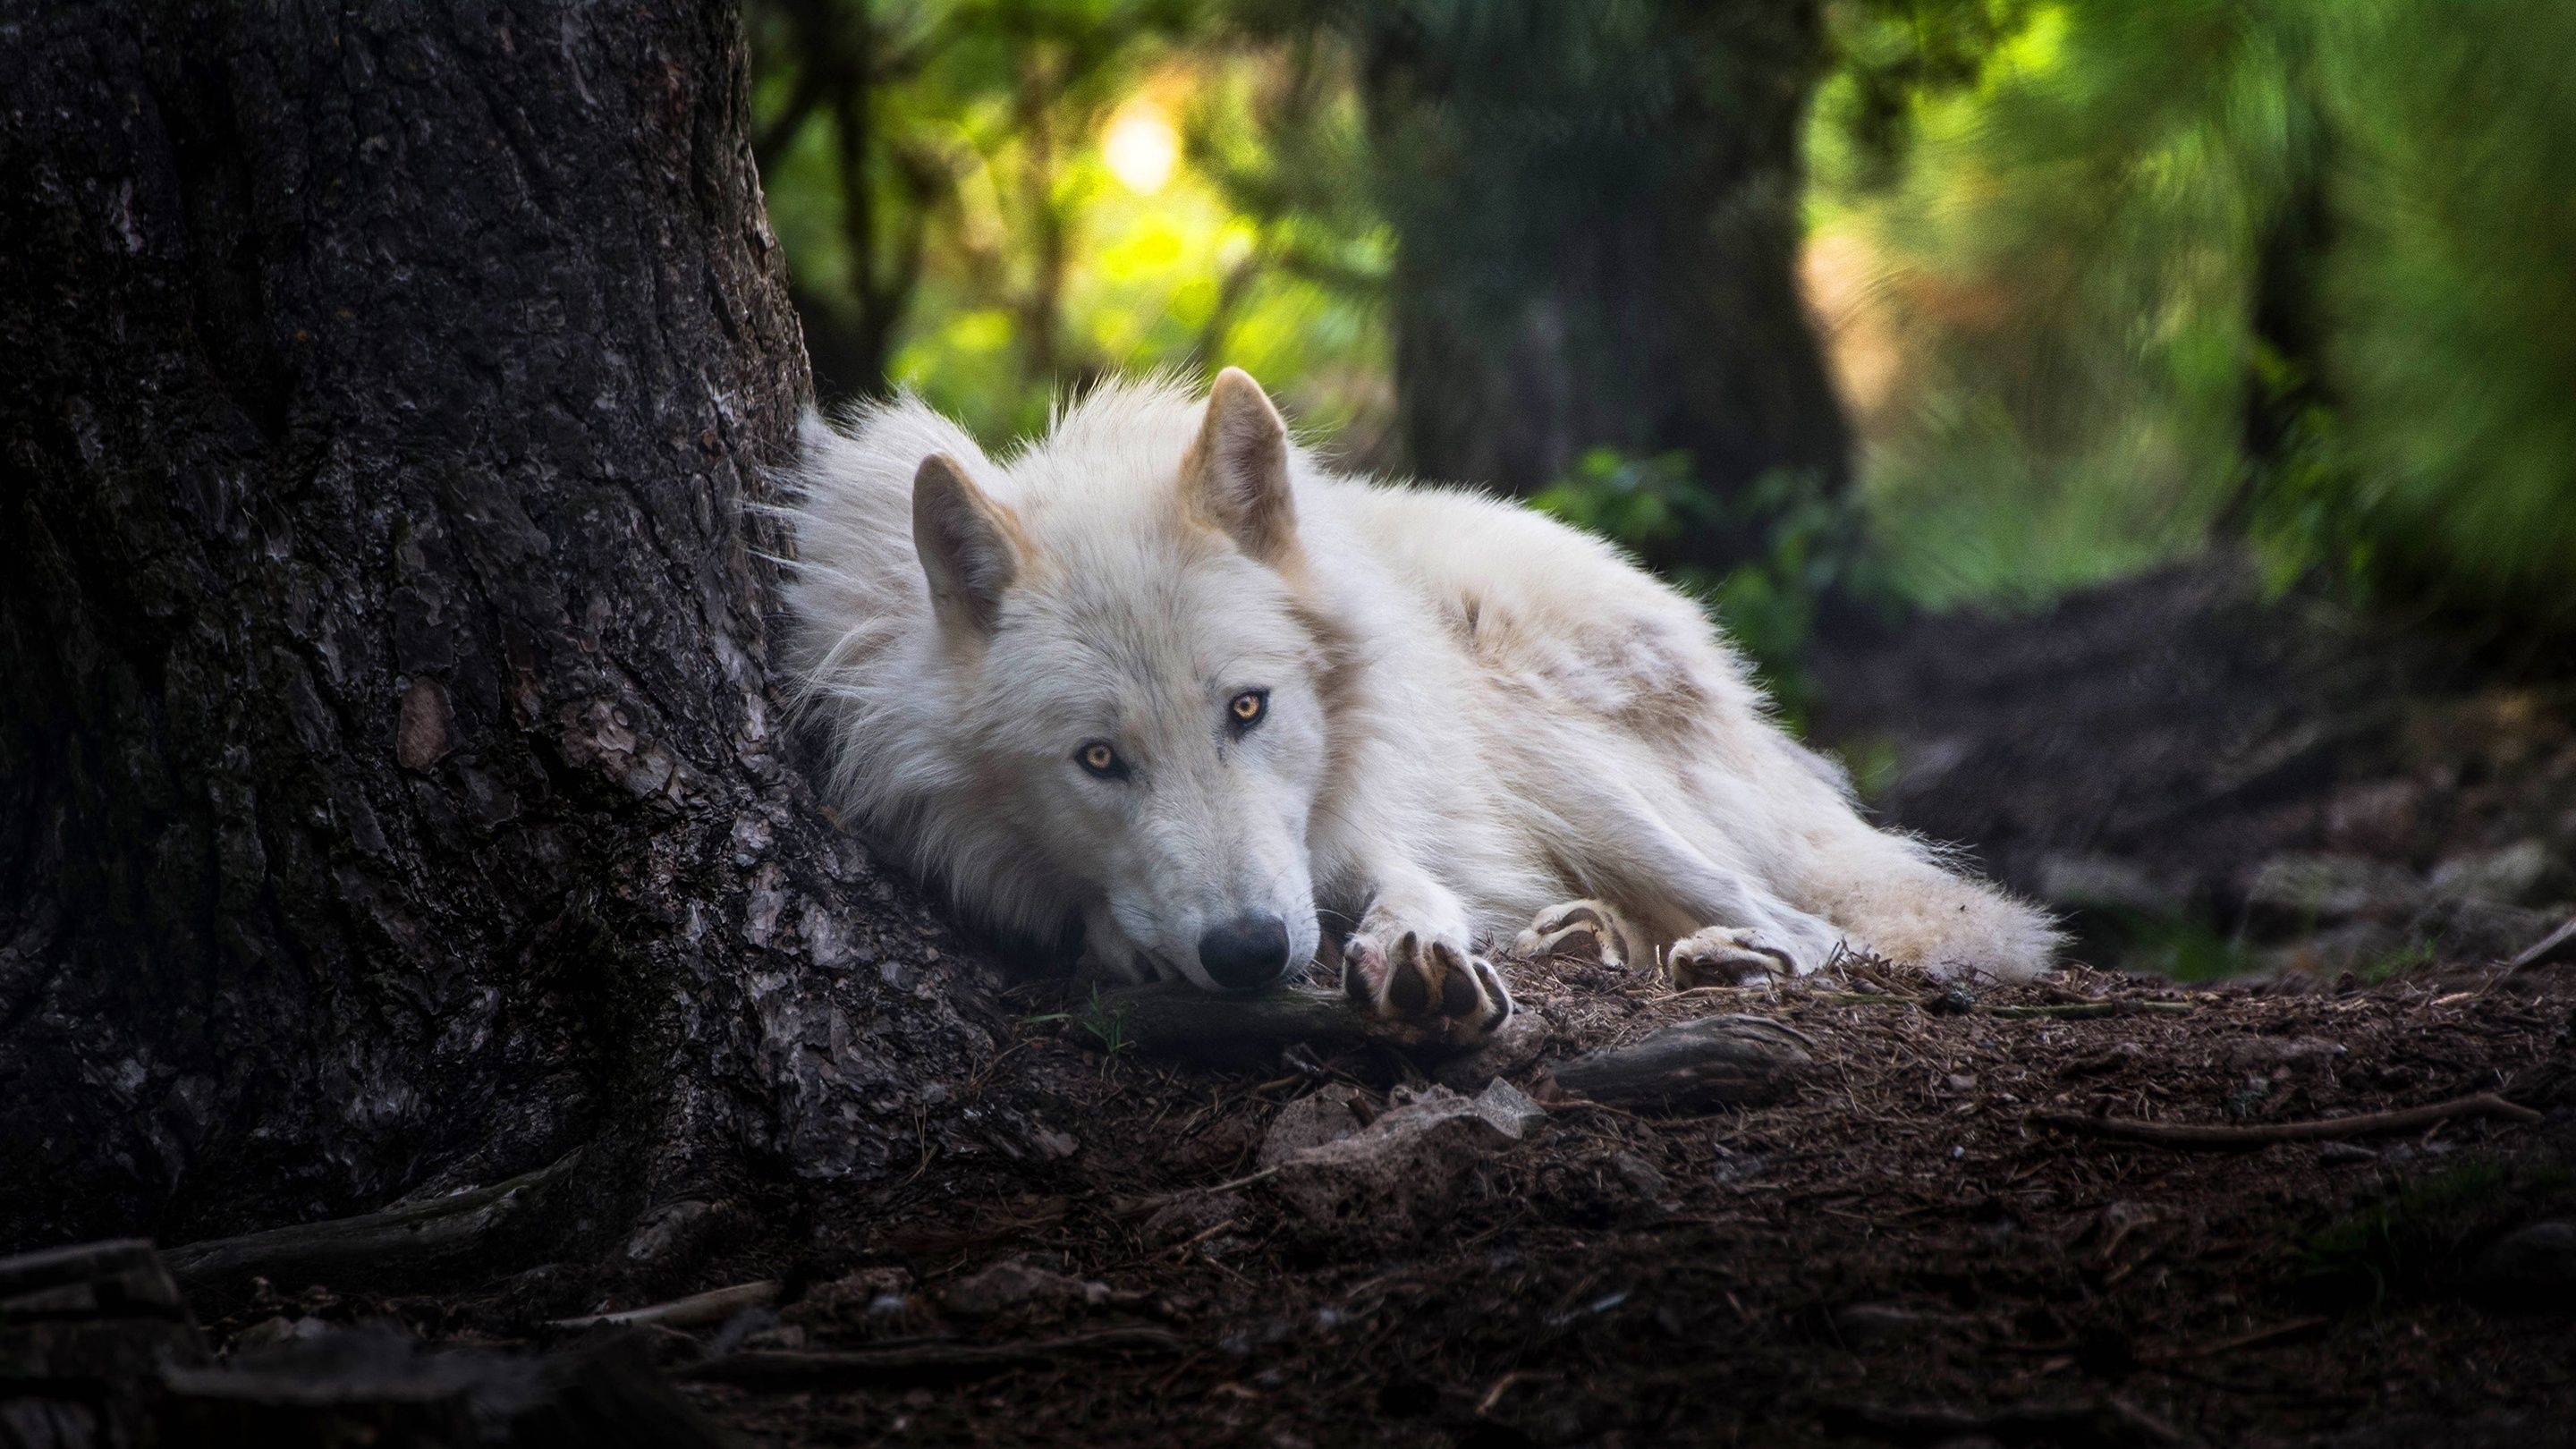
(1915, 1247)
(1933, 1238)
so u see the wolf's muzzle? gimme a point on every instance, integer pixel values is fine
(1247, 953)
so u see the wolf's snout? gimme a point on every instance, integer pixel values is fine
(1246, 953)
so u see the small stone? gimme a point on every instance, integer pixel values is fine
(1192, 1215)
(2531, 1269)
(855, 1293)
(1318, 1117)
(1640, 1176)
(1015, 1285)
(1734, 1167)
(2280, 1056)
(1387, 1183)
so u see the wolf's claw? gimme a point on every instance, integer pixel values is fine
(1589, 929)
(1726, 956)
(1434, 982)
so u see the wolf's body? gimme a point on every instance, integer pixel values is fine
(1468, 716)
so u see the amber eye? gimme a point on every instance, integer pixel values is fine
(1101, 758)
(1247, 708)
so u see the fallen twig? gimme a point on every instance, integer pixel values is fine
(2231, 1344)
(2188, 1134)
(2110, 1420)
(413, 1238)
(1715, 1060)
(713, 1306)
(2091, 1010)
(2557, 946)
(1503, 1385)
(1176, 1019)
(789, 1371)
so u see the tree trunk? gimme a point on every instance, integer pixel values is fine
(392, 787)
(1596, 211)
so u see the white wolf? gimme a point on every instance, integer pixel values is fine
(1164, 675)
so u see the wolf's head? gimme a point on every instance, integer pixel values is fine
(1127, 684)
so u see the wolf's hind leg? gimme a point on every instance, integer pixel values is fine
(1587, 929)
(1725, 956)
(1653, 862)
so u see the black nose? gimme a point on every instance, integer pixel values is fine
(1246, 953)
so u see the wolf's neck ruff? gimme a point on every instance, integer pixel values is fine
(1030, 671)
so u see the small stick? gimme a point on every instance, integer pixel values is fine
(2239, 1341)
(698, 1309)
(413, 1241)
(2185, 1134)
(2558, 945)
(1503, 1385)
(2089, 1010)
(786, 1371)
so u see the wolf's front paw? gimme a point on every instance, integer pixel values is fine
(1726, 956)
(1587, 929)
(1432, 980)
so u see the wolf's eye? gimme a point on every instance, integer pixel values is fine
(1246, 709)
(1101, 759)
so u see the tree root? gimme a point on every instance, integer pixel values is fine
(1729, 1061)
(698, 1309)
(412, 1238)
(1174, 1018)
(785, 1371)
(2185, 1134)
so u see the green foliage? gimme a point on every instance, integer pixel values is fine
(2120, 280)
(1105, 1022)
(2293, 271)
(988, 231)
(2456, 292)
(2179, 948)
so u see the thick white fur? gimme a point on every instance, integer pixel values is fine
(1475, 713)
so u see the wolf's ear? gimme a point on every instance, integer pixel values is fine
(965, 544)
(1235, 474)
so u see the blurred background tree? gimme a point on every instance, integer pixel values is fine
(2099, 284)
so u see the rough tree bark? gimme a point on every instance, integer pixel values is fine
(392, 790)
(1596, 211)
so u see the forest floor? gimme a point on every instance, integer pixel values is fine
(1933, 1237)
(1924, 1243)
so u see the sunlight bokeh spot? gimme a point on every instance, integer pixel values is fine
(1140, 147)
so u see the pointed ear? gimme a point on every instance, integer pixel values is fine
(966, 545)
(1235, 474)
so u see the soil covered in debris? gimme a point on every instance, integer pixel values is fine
(1929, 1235)
(1905, 1212)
